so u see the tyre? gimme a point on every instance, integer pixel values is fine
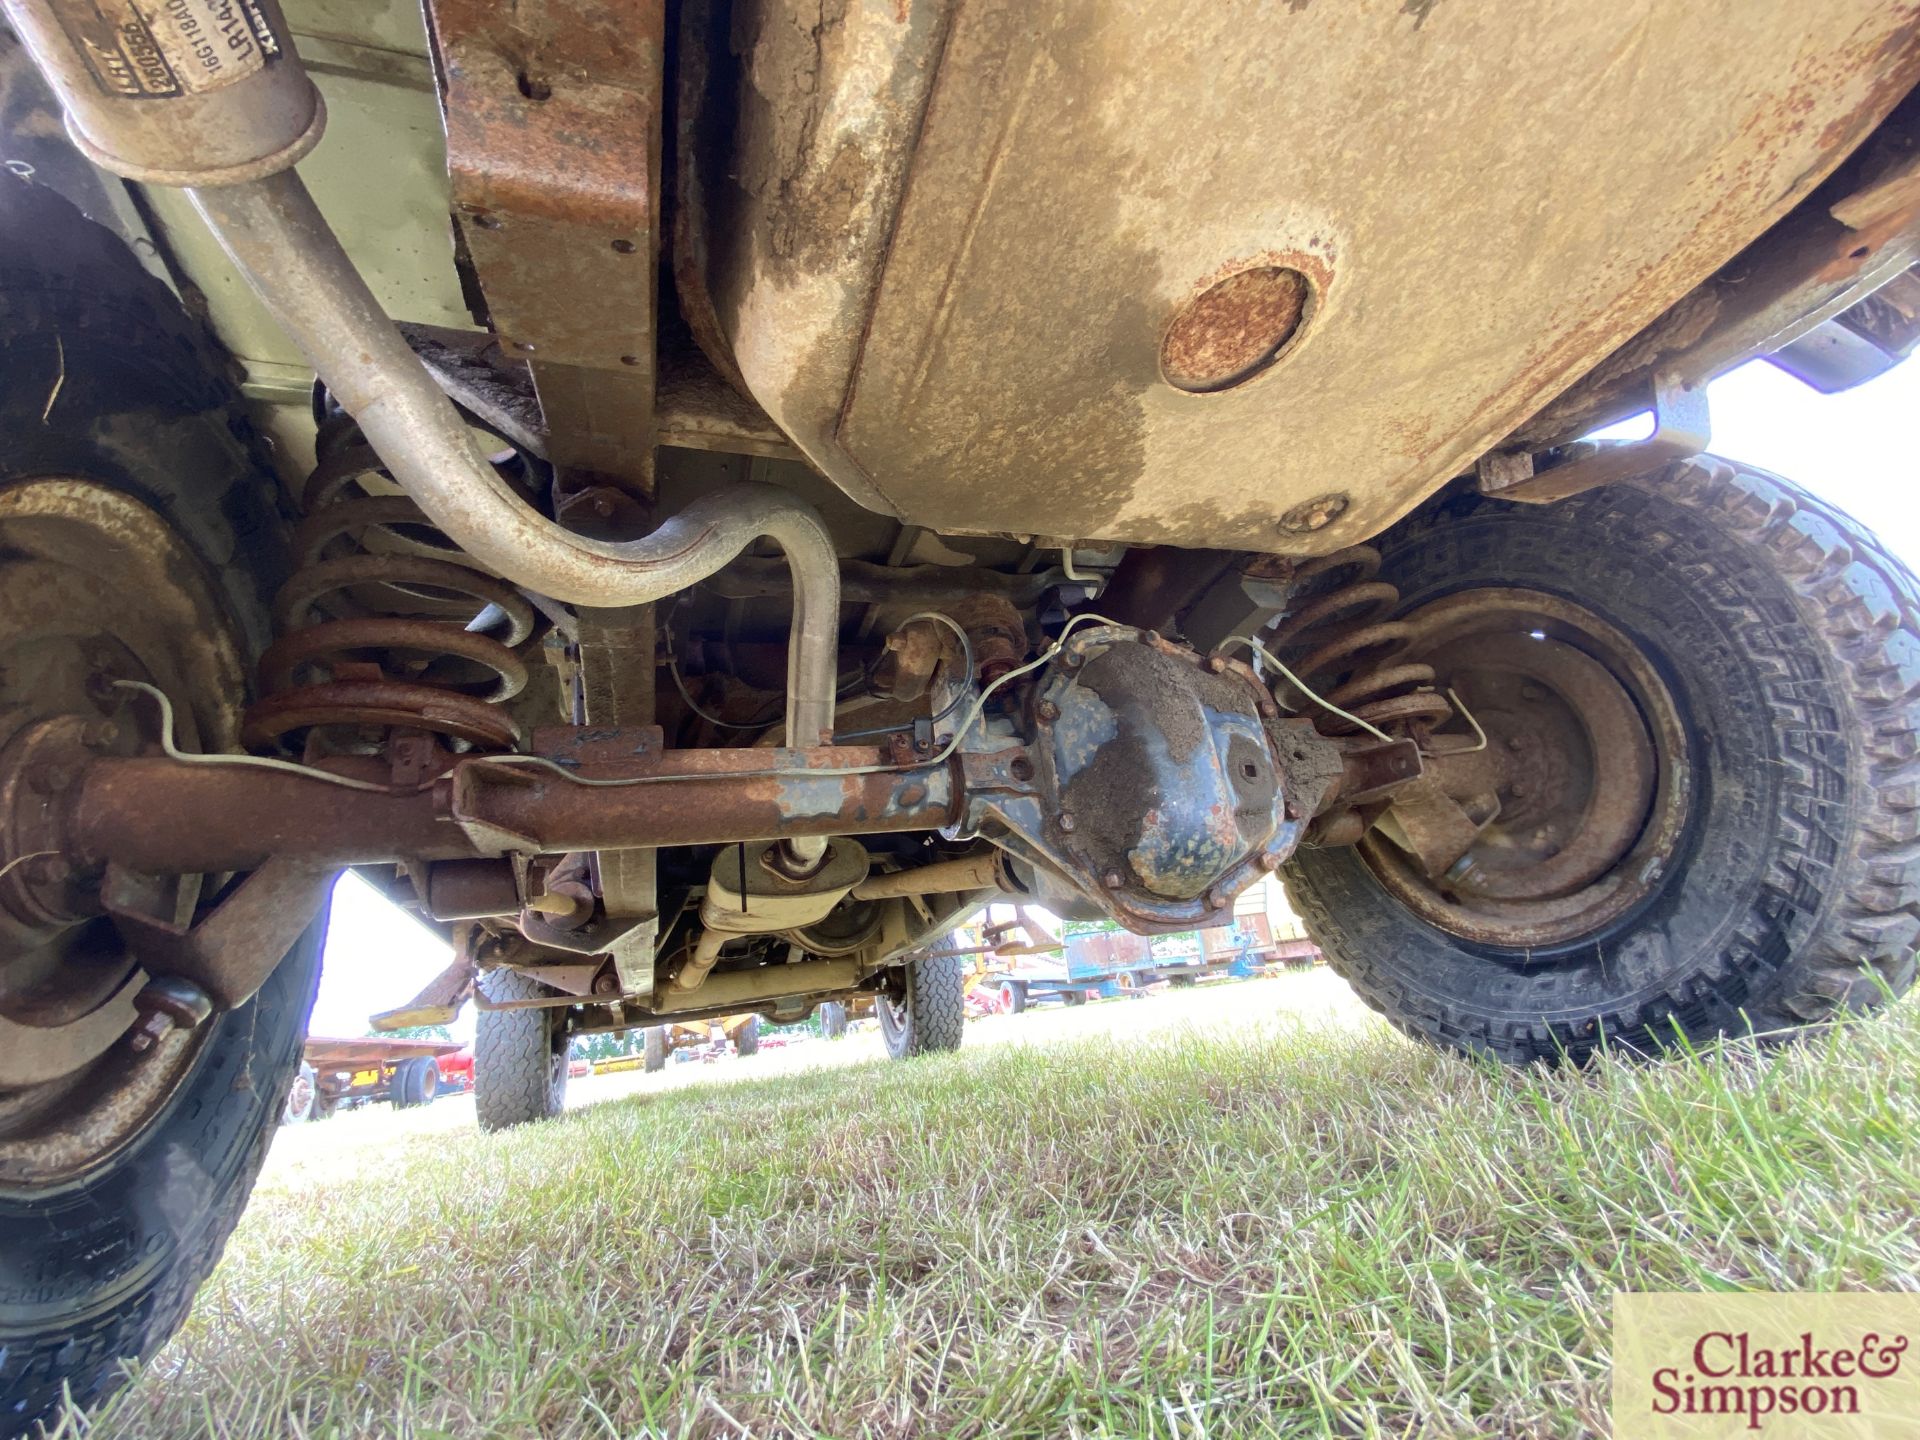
(746, 1040)
(655, 1048)
(400, 1089)
(519, 1056)
(927, 1012)
(1706, 683)
(415, 1082)
(1013, 996)
(301, 1097)
(833, 1019)
(140, 539)
(1073, 997)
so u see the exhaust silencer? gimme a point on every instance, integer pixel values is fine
(176, 92)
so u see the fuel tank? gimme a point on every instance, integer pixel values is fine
(1228, 274)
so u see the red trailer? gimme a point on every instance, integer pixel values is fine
(338, 1072)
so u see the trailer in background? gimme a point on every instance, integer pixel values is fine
(338, 1073)
(711, 1038)
(1029, 964)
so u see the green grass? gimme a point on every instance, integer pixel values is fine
(1301, 1230)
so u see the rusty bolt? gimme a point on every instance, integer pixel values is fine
(1066, 821)
(1047, 711)
(1314, 514)
(1021, 768)
(99, 734)
(1270, 861)
(1290, 810)
(606, 985)
(1531, 691)
(1113, 880)
(1215, 664)
(1517, 790)
(164, 1002)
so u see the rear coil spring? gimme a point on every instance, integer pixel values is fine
(386, 623)
(1337, 639)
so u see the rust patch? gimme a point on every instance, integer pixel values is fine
(1234, 330)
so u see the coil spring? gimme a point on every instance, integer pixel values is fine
(385, 623)
(1337, 638)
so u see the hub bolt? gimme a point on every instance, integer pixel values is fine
(1047, 711)
(167, 1001)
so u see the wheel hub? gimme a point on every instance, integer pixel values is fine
(94, 587)
(1578, 787)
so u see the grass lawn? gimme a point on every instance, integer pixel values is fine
(1295, 1226)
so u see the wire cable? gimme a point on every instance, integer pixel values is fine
(960, 693)
(250, 762)
(541, 762)
(1302, 686)
(1461, 706)
(940, 757)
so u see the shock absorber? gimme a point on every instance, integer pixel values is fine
(385, 623)
(1339, 639)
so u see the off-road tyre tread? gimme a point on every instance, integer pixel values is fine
(655, 1048)
(515, 1079)
(936, 1004)
(1834, 925)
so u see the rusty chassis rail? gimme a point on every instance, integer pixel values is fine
(159, 815)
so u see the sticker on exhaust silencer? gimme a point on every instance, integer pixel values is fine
(157, 49)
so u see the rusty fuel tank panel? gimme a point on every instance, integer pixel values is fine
(979, 261)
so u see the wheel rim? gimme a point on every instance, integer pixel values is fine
(300, 1096)
(1586, 755)
(94, 587)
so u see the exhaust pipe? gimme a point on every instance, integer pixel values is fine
(209, 95)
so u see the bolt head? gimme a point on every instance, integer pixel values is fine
(1314, 514)
(152, 1026)
(51, 777)
(1066, 821)
(1047, 711)
(1215, 664)
(1113, 880)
